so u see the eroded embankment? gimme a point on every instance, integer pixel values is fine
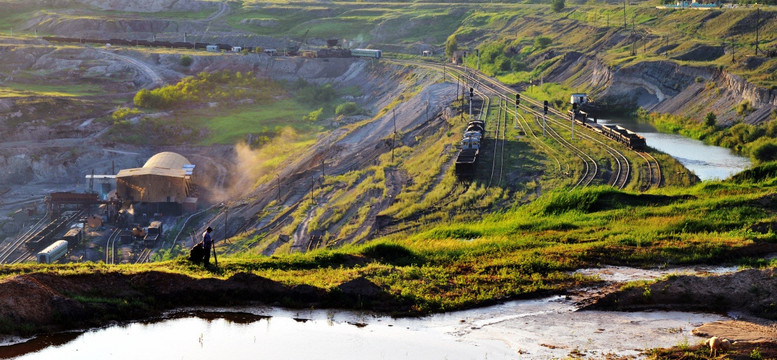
(748, 291)
(44, 302)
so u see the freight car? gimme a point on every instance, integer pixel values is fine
(73, 236)
(367, 53)
(53, 252)
(218, 47)
(614, 132)
(153, 234)
(470, 148)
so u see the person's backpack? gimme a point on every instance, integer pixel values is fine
(197, 253)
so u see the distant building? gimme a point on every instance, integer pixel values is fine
(162, 184)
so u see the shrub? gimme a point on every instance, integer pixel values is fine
(314, 115)
(186, 60)
(347, 108)
(391, 253)
(121, 113)
(744, 108)
(765, 152)
(542, 42)
(557, 5)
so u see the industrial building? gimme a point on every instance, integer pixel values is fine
(162, 185)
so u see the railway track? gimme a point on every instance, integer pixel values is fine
(653, 171)
(520, 121)
(590, 168)
(622, 167)
(497, 153)
(144, 256)
(28, 234)
(41, 230)
(110, 246)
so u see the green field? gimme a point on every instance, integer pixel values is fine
(230, 126)
(10, 89)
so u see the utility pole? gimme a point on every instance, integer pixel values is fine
(279, 188)
(517, 101)
(312, 188)
(394, 135)
(428, 104)
(226, 222)
(457, 88)
(443, 70)
(477, 52)
(544, 112)
(633, 37)
(471, 94)
(624, 15)
(757, 25)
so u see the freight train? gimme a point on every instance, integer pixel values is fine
(470, 148)
(321, 53)
(615, 132)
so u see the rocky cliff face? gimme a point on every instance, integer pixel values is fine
(668, 87)
(150, 5)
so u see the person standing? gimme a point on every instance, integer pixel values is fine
(207, 242)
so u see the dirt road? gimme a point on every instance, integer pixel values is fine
(155, 79)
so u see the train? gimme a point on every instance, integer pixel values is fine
(470, 148)
(615, 132)
(211, 47)
(53, 252)
(74, 236)
(153, 234)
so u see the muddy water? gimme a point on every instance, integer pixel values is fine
(706, 161)
(528, 329)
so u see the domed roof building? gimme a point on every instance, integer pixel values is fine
(164, 182)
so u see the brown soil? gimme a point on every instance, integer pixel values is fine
(38, 303)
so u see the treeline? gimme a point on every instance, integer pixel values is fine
(208, 87)
(759, 142)
(502, 57)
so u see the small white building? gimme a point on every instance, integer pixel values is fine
(579, 99)
(237, 49)
(212, 48)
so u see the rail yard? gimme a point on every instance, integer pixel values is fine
(147, 212)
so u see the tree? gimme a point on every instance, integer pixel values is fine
(451, 45)
(557, 5)
(710, 119)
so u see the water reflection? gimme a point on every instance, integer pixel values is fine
(706, 161)
(528, 329)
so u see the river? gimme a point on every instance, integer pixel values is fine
(706, 161)
(527, 329)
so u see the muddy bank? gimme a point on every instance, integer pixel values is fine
(44, 302)
(749, 291)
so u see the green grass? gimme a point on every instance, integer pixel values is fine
(229, 127)
(11, 89)
(522, 251)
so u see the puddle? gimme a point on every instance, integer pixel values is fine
(624, 274)
(527, 329)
